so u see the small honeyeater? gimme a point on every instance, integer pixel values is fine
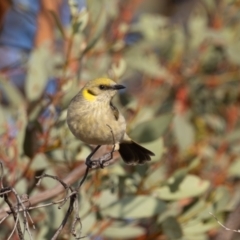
(93, 119)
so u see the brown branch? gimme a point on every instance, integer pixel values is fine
(24, 203)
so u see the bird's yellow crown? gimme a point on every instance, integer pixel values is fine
(90, 90)
(99, 81)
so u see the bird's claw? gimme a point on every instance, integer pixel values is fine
(92, 163)
(102, 162)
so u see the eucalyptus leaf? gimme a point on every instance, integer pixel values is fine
(87, 223)
(40, 162)
(84, 204)
(119, 68)
(57, 215)
(123, 232)
(196, 237)
(193, 210)
(157, 147)
(147, 64)
(80, 21)
(49, 182)
(155, 178)
(172, 228)
(99, 17)
(58, 23)
(22, 123)
(190, 186)
(118, 170)
(135, 207)
(151, 130)
(232, 52)
(177, 179)
(183, 131)
(221, 199)
(21, 186)
(234, 169)
(105, 198)
(11, 93)
(3, 121)
(233, 136)
(194, 227)
(38, 73)
(72, 90)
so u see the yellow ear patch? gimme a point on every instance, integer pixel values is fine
(88, 95)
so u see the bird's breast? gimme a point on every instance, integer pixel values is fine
(96, 124)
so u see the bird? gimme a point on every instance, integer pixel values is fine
(92, 118)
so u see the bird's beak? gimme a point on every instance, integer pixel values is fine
(118, 87)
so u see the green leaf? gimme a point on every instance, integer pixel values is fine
(232, 52)
(155, 177)
(149, 66)
(210, 4)
(80, 21)
(3, 121)
(221, 199)
(58, 23)
(40, 162)
(84, 204)
(123, 232)
(151, 130)
(83, 154)
(183, 131)
(194, 228)
(196, 237)
(234, 169)
(198, 30)
(157, 147)
(135, 207)
(49, 182)
(37, 76)
(177, 179)
(88, 222)
(22, 123)
(105, 198)
(194, 163)
(233, 136)
(193, 210)
(71, 89)
(12, 94)
(144, 114)
(21, 186)
(98, 16)
(119, 68)
(117, 170)
(191, 186)
(172, 228)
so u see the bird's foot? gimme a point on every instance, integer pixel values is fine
(92, 163)
(104, 160)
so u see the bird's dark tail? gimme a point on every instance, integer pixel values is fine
(133, 153)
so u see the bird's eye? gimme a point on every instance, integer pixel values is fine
(102, 87)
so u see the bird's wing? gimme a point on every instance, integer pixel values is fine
(114, 111)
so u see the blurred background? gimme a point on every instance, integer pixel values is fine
(179, 60)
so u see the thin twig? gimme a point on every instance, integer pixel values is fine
(14, 228)
(1, 175)
(15, 217)
(83, 179)
(25, 211)
(226, 228)
(69, 211)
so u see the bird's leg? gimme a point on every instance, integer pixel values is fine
(104, 162)
(92, 163)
